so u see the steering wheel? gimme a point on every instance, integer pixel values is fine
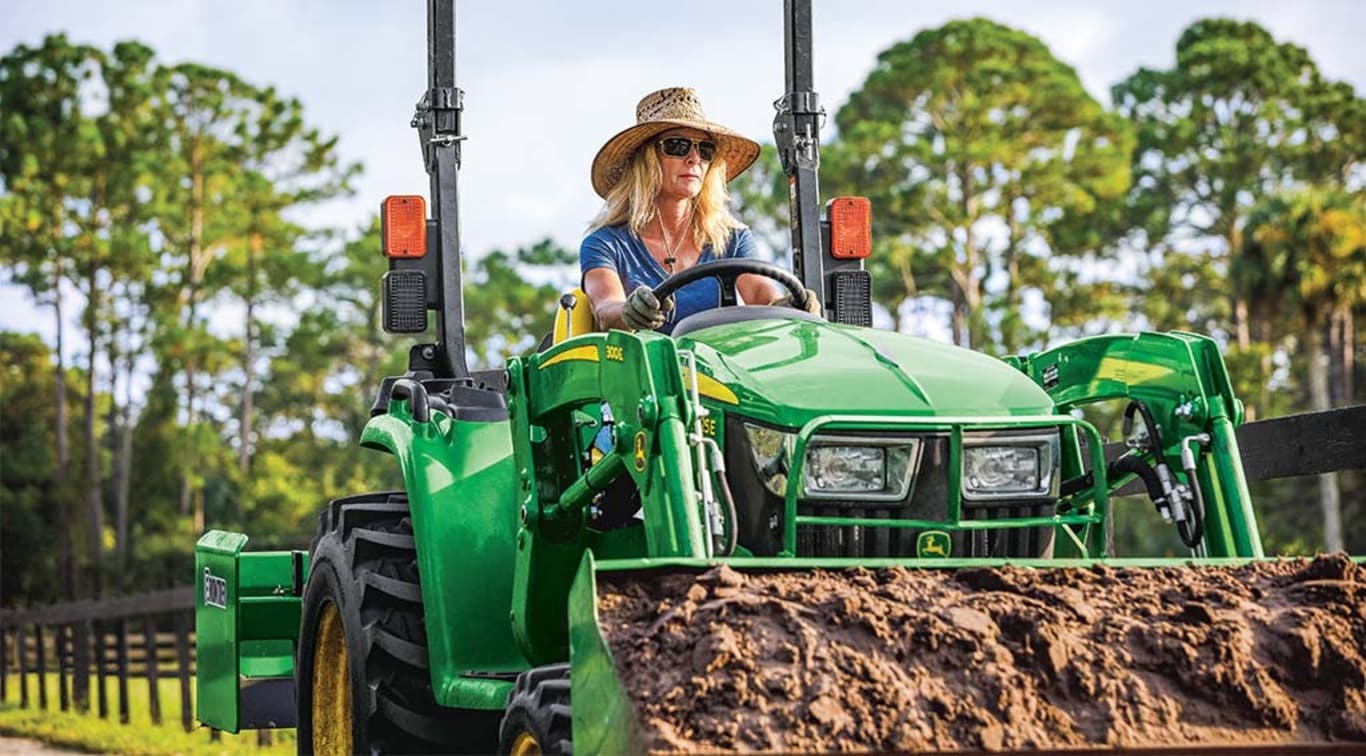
(727, 271)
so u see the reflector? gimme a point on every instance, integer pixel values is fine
(851, 227)
(403, 222)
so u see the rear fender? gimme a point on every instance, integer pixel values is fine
(461, 485)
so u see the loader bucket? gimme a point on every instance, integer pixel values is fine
(1237, 655)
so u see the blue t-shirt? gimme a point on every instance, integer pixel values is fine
(617, 248)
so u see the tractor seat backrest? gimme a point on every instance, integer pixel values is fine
(574, 317)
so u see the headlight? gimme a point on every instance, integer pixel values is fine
(772, 453)
(859, 468)
(997, 466)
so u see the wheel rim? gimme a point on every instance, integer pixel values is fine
(331, 686)
(525, 745)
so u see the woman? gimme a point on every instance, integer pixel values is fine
(664, 182)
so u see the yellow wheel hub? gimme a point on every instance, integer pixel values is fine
(332, 686)
(525, 745)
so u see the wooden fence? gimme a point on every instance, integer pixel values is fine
(145, 637)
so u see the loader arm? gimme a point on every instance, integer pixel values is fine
(1181, 380)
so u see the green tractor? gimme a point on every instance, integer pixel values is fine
(459, 614)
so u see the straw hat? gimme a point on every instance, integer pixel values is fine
(657, 113)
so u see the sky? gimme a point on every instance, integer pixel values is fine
(547, 83)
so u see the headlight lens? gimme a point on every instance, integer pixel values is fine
(858, 468)
(772, 453)
(1004, 466)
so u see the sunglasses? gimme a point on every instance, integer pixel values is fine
(679, 147)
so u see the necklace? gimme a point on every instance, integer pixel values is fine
(671, 249)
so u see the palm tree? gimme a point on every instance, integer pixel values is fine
(1305, 258)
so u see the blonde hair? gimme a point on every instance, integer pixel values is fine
(632, 201)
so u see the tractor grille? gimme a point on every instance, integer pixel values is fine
(871, 541)
(760, 513)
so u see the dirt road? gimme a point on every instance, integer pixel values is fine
(15, 746)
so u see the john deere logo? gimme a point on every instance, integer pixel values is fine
(639, 455)
(933, 544)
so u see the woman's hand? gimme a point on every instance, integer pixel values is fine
(813, 305)
(643, 310)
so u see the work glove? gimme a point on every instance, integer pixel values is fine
(643, 310)
(813, 303)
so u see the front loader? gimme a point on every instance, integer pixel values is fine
(461, 613)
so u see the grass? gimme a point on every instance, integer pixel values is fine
(87, 732)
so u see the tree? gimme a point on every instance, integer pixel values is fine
(507, 310)
(202, 111)
(1305, 252)
(984, 157)
(39, 158)
(1236, 119)
(333, 359)
(29, 569)
(286, 164)
(759, 199)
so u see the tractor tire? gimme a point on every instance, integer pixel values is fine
(538, 718)
(361, 672)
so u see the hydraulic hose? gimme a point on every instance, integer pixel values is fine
(1148, 421)
(1192, 535)
(1132, 464)
(1190, 527)
(732, 519)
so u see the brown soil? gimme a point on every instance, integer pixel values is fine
(993, 658)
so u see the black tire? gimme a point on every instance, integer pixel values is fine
(539, 707)
(363, 562)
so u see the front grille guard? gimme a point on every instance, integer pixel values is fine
(1092, 513)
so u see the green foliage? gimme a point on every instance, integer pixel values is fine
(985, 159)
(28, 569)
(759, 200)
(506, 312)
(1239, 118)
(1304, 252)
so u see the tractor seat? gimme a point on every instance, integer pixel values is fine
(573, 318)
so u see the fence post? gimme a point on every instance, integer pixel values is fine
(182, 647)
(42, 667)
(122, 651)
(80, 653)
(23, 666)
(153, 692)
(4, 664)
(100, 664)
(61, 642)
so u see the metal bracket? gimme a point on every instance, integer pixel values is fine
(800, 103)
(445, 98)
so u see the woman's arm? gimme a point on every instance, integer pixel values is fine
(607, 297)
(759, 290)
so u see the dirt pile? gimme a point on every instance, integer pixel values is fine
(994, 659)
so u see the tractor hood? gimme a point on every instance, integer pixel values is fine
(786, 372)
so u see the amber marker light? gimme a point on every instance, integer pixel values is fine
(403, 224)
(851, 228)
